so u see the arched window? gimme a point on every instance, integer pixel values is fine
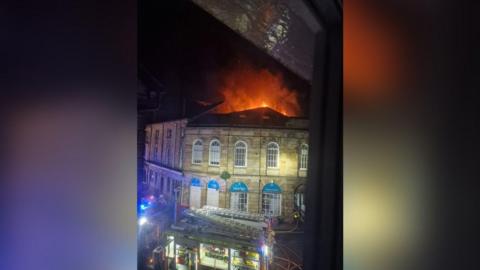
(272, 155)
(272, 200)
(240, 155)
(214, 154)
(197, 152)
(239, 197)
(303, 157)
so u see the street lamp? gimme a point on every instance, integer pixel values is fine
(142, 221)
(265, 250)
(176, 193)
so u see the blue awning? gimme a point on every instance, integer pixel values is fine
(238, 187)
(271, 188)
(196, 182)
(213, 184)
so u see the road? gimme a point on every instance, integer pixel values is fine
(288, 250)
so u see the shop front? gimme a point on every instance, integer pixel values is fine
(198, 253)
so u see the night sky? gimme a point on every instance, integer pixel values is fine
(187, 49)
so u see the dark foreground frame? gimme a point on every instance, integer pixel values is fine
(324, 201)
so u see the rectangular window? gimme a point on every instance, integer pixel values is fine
(303, 158)
(272, 156)
(168, 160)
(271, 204)
(214, 153)
(147, 138)
(197, 152)
(155, 148)
(157, 134)
(239, 201)
(240, 157)
(145, 176)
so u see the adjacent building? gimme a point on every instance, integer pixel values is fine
(264, 152)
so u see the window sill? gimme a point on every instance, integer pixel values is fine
(214, 165)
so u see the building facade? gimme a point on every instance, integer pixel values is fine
(264, 152)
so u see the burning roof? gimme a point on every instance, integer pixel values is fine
(262, 117)
(245, 86)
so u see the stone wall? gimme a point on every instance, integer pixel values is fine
(255, 175)
(169, 145)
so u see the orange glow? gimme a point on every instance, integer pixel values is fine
(245, 87)
(373, 53)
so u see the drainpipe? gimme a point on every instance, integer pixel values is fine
(259, 175)
(259, 196)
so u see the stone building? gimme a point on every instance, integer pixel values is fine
(265, 152)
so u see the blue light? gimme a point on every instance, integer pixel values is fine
(265, 250)
(143, 206)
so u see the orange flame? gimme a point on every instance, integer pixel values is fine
(245, 87)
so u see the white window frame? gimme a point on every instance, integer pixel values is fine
(210, 159)
(303, 164)
(235, 154)
(268, 198)
(234, 201)
(277, 161)
(193, 152)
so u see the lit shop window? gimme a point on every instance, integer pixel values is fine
(239, 196)
(214, 256)
(240, 154)
(183, 258)
(272, 155)
(271, 200)
(242, 259)
(214, 155)
(197, 152)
